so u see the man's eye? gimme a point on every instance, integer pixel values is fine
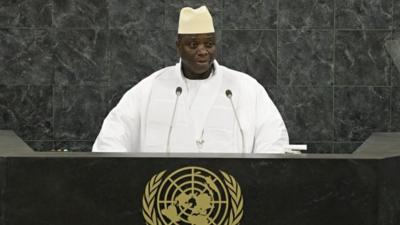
(193, 45)
(210, 44)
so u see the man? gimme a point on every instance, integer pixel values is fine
(196, 105)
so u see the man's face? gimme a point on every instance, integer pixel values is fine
(197, 52)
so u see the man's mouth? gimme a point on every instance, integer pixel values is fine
(202, 61)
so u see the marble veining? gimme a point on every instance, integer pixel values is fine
(74, 146)
(359, 111)
(138, 14)
(307, 112)
(27, 110)
(252, 52)
(26, 57)
(396, 14)
(395, 110)
(395, 75)
(22, 13)
(171, 56)
(305, 57)
(364, 14)
(361, 58)
(110, 45)
(114, 94)
(78, 112)
(305, 14)
(251, 14)
(135, 55)
(81, 57)
(80, 13)
(395, 71)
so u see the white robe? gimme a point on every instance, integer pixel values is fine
(141, 120)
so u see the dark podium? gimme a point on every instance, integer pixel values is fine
(65, 188)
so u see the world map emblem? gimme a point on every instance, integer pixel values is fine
(192, 196)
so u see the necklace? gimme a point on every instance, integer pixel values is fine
(200, 141)
(192, 88)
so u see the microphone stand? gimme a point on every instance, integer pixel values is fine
(178, 93)
(228, 94)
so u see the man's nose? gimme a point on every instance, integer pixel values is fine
(202, 50)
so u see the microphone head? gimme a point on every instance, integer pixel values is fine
(178, 91)
(228, 93)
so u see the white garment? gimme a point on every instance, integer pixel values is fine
(192, 88)
(140, 122)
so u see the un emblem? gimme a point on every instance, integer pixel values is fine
(194, 196)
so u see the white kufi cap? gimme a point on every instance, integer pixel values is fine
(195, 21)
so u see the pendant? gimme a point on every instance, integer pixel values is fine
(200, 143)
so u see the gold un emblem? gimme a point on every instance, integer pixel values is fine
(192, 195)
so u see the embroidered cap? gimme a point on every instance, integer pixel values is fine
(195, 21)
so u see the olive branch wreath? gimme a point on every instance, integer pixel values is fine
(148, 201)
(149, 212)
(236, 200)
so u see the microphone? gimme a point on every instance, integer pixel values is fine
(178, 92)
(228, 94)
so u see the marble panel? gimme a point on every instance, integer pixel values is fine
(81, 57)
(307, 112)
(138, 14)
(359, 111)
(114, 95)
(41, 146)
(361, 58)
(395, 75)
(27, 110)
(317, 147)
(305, 57)
(21, 13)
(252, 14)
(74, 146)
(171, 53)
(363, 14)
(110, 190)
(26, 57)
(396, 14)
(395, 70)
(253, 52)
(395, 110)
(345, 148)
(305, 14)
(135, 55)
(173, 7)
(80, 13)
(78, 112)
